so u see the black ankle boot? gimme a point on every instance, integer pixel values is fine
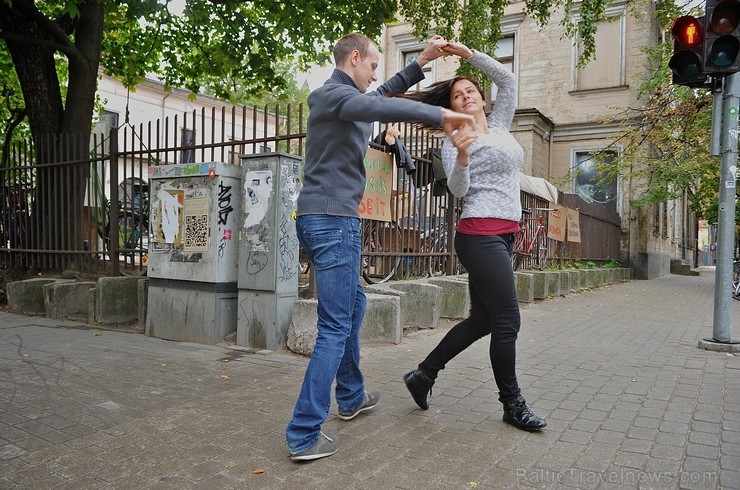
(519, 415)
(419, 384)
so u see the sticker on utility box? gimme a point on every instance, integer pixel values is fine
(257, 189)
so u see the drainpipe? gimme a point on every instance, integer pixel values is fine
(549, 152)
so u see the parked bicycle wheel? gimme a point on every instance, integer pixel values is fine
(132, 232)
(542, 251)
(381, 249)
(436, 247)
(517, 254)
(736, 281)
(304, 271)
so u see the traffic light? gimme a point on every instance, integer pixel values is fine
(722, 37)
(688, 49)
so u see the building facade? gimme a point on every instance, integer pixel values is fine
(567, 112)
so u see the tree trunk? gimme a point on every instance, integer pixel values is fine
(34, 65)
(61, 130)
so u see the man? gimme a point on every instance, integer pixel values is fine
(328, 225)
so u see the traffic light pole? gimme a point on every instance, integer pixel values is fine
(722, 326)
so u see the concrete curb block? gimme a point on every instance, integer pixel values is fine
(575, 280)
(68, 300)
(540, 285)
(564, 279)
(143, 292)
(420, 301)
(455, 295)
(27, 297)
(117, 300)
(382, 323)
(123, 300)
(524, 286)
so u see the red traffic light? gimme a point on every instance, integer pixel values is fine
(688, 45)
(688, 31)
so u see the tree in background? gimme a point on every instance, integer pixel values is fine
(289, 102)
(12, 108)
(206, 47)
(664, 145)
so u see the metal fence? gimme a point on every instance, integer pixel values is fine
(82, 202)
(600, 233)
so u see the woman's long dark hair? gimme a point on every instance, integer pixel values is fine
(439, 94)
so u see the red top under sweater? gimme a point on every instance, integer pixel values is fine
(487, 226)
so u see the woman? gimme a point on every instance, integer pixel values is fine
(482, 164)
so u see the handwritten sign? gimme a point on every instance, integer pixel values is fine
(376, 202)
(556, 223)
(574, 226)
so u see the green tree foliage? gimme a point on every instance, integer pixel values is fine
(12, 108)
(664, 145)
(288, 103)
(477, 22)
(230, 48)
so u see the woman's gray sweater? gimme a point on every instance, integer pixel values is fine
(489, 184)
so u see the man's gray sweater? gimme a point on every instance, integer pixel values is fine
(338, 133)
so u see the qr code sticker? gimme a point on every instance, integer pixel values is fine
(196, 233)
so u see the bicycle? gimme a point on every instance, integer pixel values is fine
(304, 270)
(736, 280)
(435, 243)
(133, 224)
(133, 230)
(381, 250)
(379, 262)
(530, 242)
(14, 216)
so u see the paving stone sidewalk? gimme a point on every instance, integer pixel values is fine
(630, 401)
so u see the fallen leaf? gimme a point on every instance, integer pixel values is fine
(225, 359)
(473, 484)
(97, 334)
(225, 377)
(258, 471)
(163, 365)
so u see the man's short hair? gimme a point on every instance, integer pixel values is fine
(344, 47)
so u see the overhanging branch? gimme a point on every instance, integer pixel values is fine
(70, 51)
(33, 14)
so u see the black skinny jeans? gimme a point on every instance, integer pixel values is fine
(494, 310)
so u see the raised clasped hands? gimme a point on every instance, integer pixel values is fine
(438, 46)
(434, 49)
(453, 48)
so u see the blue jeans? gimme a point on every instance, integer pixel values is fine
(333, 243)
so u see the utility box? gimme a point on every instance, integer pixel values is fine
(193, 249)
(268, 249)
